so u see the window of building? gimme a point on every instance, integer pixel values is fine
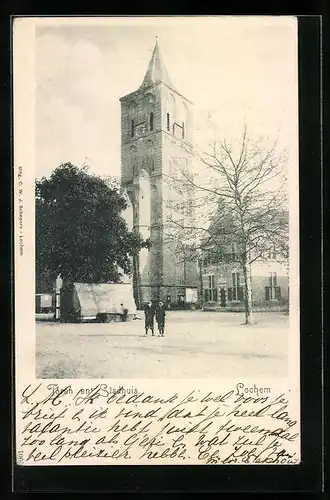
(235, 292)
(182, 130)
(168, 121)
(210, 293)
(132, 128)
(272, 291)
(236, 285)
(151, 121)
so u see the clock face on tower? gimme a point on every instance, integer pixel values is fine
(140, 129)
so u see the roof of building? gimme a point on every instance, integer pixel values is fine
(156, 71)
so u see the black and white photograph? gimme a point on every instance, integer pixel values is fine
(146, 209)
(157, 222)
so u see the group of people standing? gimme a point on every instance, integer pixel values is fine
(150, 313)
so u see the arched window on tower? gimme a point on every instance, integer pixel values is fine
(151, 121)
(182, 130)
(168, 121)
(132, 128)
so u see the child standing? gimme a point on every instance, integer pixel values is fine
(160, 318)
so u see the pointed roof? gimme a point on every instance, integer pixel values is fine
(156, 71)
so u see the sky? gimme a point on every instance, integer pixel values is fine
(236, 69)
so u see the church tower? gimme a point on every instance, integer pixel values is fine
(156, 133)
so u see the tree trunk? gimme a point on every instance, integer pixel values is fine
(201, 291)
(249, 320)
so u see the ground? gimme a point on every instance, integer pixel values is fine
(196, 345)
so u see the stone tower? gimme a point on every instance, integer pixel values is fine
(156, 133)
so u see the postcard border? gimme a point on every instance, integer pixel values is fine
(307, 476)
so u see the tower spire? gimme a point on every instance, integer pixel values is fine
(156, 71)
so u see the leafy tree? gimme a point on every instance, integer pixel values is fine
(80, 233)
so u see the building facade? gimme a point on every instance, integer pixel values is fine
(156, 132)
(223, 284)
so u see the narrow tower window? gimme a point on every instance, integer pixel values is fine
(132, 128)
(168, 121)
(182, 130)
(151, 121)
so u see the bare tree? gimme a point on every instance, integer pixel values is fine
(239, 198)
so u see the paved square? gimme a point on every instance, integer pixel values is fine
(196, 345)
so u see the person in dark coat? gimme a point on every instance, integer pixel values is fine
(149, 315)
(160, 318)
(124, 313)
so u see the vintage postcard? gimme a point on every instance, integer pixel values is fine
(156, 240)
